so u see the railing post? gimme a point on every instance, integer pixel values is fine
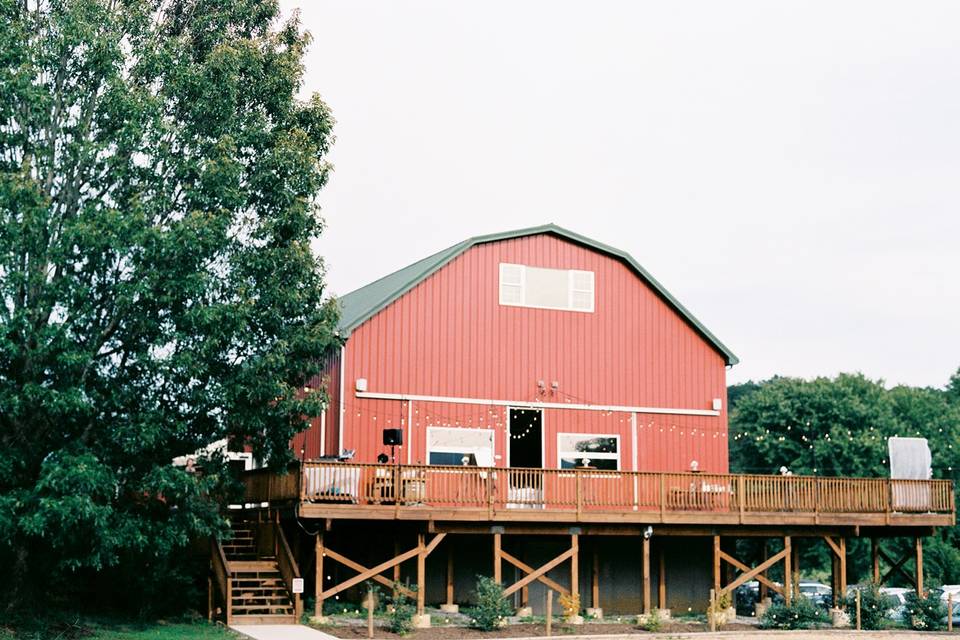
(740, 496)
(663, 495)
(302, 482)
(576, 473)
(489, 484)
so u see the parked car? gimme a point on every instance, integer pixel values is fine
(817, 593)
(898, 596)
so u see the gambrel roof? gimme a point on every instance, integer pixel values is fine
(360, 305)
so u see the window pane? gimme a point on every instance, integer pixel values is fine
(511, 294)
(546, 288)
(511, 274)
(582, 300)
(452, 459)
(583, 280)
(587, 443)
(608, 464)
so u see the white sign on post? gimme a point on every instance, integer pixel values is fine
(298, 585)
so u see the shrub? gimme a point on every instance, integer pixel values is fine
(874, 606)
(570, 604)
(651, 622)
(400, 620)
(491, 606)
(925, 613)
(801, 614)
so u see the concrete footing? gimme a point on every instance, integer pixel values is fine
(574, 620)
(839, 618)
(421, 622)
(524, 612)
(319, 620)
(450, 608)
(596, 613)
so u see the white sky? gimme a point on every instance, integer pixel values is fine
(789, 171)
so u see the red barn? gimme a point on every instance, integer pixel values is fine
(552, 407)
(542, 339)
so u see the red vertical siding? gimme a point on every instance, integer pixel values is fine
(309, 440)
(449, 336)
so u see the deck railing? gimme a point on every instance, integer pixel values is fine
(466, 487)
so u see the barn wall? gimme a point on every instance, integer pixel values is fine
(309, 440)
(450, 337)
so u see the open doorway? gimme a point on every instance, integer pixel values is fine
(525, 457)
(526, 438)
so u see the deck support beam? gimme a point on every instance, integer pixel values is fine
(838, 564)
(541, 573)
(662, 582)
(449, 575)
(918, 560)
(595, 580)
(646, 574)
(497, 559)
(421, 551)
(318, 576)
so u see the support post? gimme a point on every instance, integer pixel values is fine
(858, 609)
(843, 566)
(595, 580)
(918, 541)
(497, 564)
(575, 567)
(712, 611)
(787, 572)
(318, 584)
(396, 568)
(716, 564)
(421, 574)
(662, 582)
(449, 574)
(950, 612)
(549, 611)
(646, 574)
(764, 555)
(875, 554)
(795, 560)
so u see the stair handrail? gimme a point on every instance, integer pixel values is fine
(221, 571)
(287, 565)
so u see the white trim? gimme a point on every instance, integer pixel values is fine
(410, 432)
(634, 457)
(534, 405)
(618, 456)
(343, 406)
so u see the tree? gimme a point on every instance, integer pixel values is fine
(157, 204)
(839, 427)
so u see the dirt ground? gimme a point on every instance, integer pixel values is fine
(668, 631)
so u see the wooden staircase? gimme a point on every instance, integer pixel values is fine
(253, 584)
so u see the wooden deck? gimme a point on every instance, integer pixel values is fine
(503, 495)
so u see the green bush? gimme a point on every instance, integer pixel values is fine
(651, 622)
(801, 614)
(491, 606)
(400, 619)
(874, 606)
(925, 613)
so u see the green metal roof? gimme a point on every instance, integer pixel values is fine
(360, 305)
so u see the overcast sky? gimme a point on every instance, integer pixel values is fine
(789, 171)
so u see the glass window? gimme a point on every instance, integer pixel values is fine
(562, 289)
(575, 449)
(460, 445)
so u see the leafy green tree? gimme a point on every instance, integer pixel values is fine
(839, 427)
(157, 204)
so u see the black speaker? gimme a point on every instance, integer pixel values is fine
(392, 437)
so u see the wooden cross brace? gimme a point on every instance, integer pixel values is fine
(896, 566)
(539, 574)
(755, 572)
(363, 573)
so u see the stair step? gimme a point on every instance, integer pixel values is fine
(253, 566)
(262, 608)
(282, 601)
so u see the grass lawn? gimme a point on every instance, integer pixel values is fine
(87, 630)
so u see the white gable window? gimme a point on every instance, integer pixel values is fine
(575, 449)
(564, 289)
